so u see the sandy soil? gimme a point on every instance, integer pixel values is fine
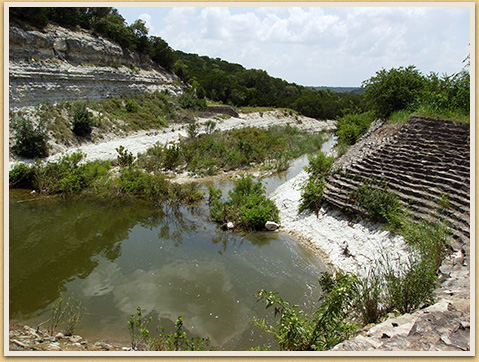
(352, 245)
(139, 142)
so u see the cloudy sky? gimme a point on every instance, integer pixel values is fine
(318, 45)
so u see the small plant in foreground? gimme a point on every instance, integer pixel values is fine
(320, 331)
(70, 310)
(142, 340)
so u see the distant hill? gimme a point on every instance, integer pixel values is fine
(350, 90)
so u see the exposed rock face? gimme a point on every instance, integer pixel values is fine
(59, 65)
(420, 161)
(424, 163)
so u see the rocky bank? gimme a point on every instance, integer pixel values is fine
(420, 161)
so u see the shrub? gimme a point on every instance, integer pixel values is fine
(411, 287)
(352, 126)
(172, 156)
(21, 176)
(319, 331)
(30, 142)
(319, 168)
(248, 206)
(393, 90)
(189, 100)
(379, 203)
(82, 122)
(124, 158)
(131, 106)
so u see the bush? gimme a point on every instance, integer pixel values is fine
(248, 207)
(189, 100)
(319, 168)
(21, 176)
(352, 126)
(30, 142)
(124, 158)
(82, 122)
(411, 287)
(379, 203)
(131, 106)
(319, 331)
(393, 90)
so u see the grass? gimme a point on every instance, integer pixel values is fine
(453, 115)
(214, 151)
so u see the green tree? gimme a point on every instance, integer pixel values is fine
(30, 142)
(82, 122)
(393, 90)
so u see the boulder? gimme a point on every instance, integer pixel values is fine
(271, 226)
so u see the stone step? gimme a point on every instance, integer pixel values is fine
(460, 193)
(340, 188)
(427, 180)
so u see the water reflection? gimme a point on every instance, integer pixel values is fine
(54, 241)
(115, 256)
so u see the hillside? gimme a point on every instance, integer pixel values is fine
(60, 65)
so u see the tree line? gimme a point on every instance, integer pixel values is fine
(389, 91)
(104, 21)
(214, 79)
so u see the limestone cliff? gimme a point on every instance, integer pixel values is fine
(59, 65)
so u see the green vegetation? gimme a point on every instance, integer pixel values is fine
(141, 339)
(352, 126)
(232, 84)
(406, 89)
(248, 207)
(327, 326)
(70, 176)
(69, 312)
(29, 141)
(319, 169)
(212, 151)
(379, 203)
(82, 122)
(132, 113)
(351, 301)
(400, 288)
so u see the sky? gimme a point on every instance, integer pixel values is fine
(316, 45)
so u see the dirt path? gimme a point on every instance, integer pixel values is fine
(139, 142)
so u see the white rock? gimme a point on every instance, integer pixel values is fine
(230, 225)
(271, 225)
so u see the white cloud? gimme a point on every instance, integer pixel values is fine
(320, 45)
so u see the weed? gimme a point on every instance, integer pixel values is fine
(320, 331)
(71, 310)
(124, 158)
(142, 340)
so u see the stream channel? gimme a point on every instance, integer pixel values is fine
(115, 256)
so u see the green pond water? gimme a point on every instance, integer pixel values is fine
(114, 256)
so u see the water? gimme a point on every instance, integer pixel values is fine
(114, 256)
